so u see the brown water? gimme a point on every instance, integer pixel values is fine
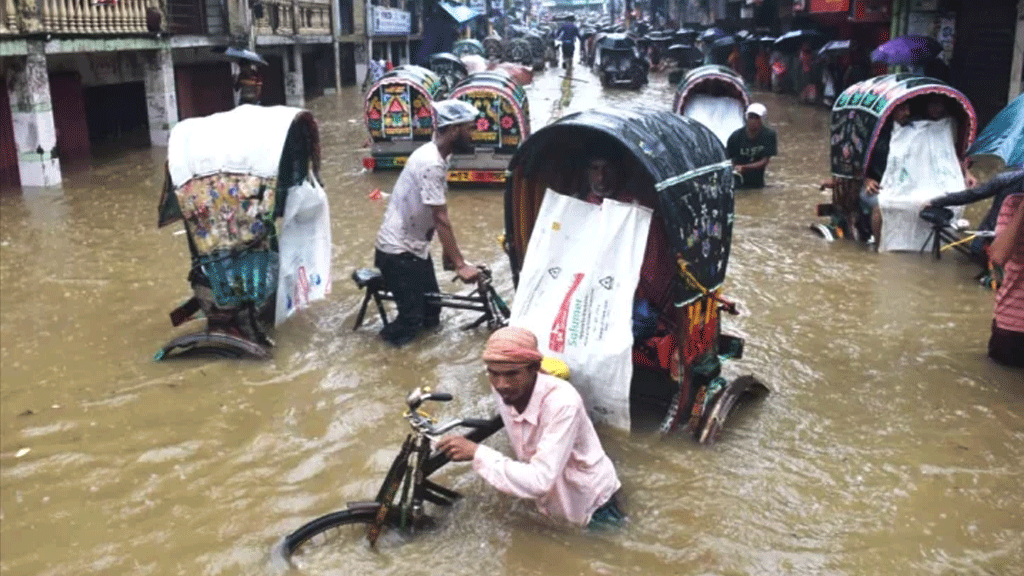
(890, 443)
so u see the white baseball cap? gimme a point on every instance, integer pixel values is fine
(757, 108)
(454, 111)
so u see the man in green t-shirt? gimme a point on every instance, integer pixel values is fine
(751, 147)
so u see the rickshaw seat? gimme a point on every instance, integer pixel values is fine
(371, 277)
(372, 281)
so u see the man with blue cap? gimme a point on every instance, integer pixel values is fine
(416, 210)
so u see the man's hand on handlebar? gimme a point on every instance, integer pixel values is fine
(457, 448)
(468, 273)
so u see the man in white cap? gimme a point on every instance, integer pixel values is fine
(416, 210)
(751, 147)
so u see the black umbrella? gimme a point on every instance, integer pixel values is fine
(793, 40)
(724, 42)
(834, 47)
(240, 53)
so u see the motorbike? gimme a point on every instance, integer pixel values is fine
(715, 96)
(858, 117)
(503, 123)
(245, 184)
(399, 115)
(678, 171)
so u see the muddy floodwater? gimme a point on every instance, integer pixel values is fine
(890, 444)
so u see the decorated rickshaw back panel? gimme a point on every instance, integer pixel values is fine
(400, 105)
(504, 120)
(861, 111)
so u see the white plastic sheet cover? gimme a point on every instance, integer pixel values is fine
(246, 140)
(576, 293)
(305, 250)
(722, 114)
(922, 164)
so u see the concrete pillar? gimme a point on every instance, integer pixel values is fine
(32, 117)
(294, 89)
(161, 96)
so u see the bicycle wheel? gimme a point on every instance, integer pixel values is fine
(321, 531)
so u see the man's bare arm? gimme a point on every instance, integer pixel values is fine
(446, 234)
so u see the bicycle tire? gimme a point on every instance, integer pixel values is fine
(319, 526)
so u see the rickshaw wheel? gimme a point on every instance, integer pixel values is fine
(823, 231)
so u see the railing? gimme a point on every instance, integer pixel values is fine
(314, 17)
(287, 18)
(74, 17)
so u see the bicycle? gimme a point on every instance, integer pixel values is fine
(484, 299)
(407, 475)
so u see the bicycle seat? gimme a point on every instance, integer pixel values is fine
(368, 277)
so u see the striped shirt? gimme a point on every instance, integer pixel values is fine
(1009, 312)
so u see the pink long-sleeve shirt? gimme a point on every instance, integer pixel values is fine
(559, 459)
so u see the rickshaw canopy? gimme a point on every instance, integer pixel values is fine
(679, 169)
(616, 42)
(276, 144)
(713, 80)
(862, 110)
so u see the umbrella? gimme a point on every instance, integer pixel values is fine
(724, 42)
(792, 41)
(712, 34)
(768, 40)
(907, 50)
(1004, 135)
(834, 47)
(240, 53)
(686, 55)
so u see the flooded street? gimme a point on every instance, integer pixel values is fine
(890, 444)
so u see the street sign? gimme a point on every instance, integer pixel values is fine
(390, 22)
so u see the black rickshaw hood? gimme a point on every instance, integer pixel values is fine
(692, 177)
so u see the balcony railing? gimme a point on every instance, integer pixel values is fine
(113, 17)
(288, 18)
(73, 17)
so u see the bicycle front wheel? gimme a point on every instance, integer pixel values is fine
(322, 531)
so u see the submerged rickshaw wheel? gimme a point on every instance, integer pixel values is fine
(217, 344)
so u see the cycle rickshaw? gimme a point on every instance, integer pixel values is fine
(715, 96)
(399, 115)
(679, 170)
(504, 122)
(859, 115)
(449, 67)
(245, 185)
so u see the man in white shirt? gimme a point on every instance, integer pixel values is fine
(417, 209)
(559, 462)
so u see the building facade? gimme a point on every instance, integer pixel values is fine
(81, 73)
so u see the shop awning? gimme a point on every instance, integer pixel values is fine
(460, 13)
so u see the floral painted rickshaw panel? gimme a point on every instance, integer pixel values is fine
(226, 211)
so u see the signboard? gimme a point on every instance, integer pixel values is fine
(828, 6)
(389, 22)
(871, 11)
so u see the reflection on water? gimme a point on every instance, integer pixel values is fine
(890, 443)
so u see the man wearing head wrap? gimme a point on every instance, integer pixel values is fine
(416, 210)
(559, 462)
